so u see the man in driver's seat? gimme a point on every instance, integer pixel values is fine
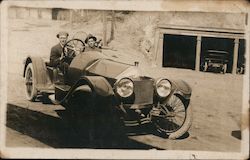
(56, 55)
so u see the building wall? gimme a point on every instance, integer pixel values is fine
(199, 24)
(204, 19)
(12, 13)
(23, 13)
(33, 13)
(46, 13)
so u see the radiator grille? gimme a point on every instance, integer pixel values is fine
(144, 91)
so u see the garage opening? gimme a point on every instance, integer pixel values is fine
(60, 14)
(179, 51)
(219, 45)
(241, 57)
(55, 13)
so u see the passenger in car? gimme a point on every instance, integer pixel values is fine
(92, 44)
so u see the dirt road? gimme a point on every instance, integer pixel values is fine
(216, 102)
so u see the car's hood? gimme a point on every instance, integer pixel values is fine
(113, 69)
(132, 72)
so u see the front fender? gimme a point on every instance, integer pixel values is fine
(94, 85)
(98, 84)
(182, 88)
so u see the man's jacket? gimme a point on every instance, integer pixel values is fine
(55, 55)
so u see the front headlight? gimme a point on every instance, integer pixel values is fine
(163, 88)
(124, 87)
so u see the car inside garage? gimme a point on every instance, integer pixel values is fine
(221, 45)
(241, 57)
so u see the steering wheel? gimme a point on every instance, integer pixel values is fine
(73, 47)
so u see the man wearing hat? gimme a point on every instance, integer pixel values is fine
(56, 54)
(91, 43)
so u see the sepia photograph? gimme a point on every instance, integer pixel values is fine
(118, 79)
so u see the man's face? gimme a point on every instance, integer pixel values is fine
(63, 39)
(91, 43)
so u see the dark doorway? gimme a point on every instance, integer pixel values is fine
(60, 14)
(218, 44)
(241, 57)
(55, 13)
(179, 51)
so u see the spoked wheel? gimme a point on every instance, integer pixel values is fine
(173, 119)
(73, 47)
(30, 82)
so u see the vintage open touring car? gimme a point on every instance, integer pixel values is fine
(97, 87)
(215, 59)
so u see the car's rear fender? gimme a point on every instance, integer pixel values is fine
(40, 70)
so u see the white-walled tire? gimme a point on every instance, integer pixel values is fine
(30, 83)
(174, 119)
(185, 127)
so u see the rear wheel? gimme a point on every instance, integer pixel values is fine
(241, 70)
(174, 118)
(224, 68)
(30, 82)
(205, 67)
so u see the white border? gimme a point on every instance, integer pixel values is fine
(4, 74)
(236, 6)
(239, 6)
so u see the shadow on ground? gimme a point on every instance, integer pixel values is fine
(54, 132)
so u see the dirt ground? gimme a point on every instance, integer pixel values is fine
(216, 100)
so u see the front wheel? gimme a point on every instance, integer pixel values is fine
(224, 68)
(30, 82)
(205, 67)
(173, 119)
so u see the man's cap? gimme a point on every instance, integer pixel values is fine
(62, 33)
(90, 36)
